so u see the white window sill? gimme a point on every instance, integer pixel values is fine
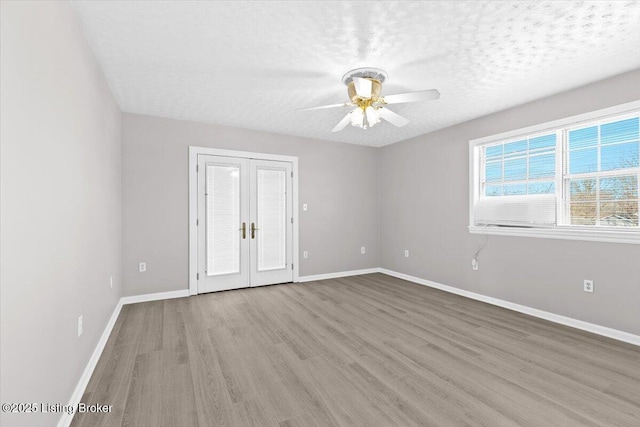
(566, 233)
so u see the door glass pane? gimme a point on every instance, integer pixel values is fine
(272, 219)
(223, 219)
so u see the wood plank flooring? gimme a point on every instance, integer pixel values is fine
(369, 350)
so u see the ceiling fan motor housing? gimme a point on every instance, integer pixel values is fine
(377, 77)
(376, 87)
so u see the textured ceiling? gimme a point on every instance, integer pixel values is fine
(252, 64)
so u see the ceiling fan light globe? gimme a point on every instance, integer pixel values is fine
(373, 116)
(357, 117)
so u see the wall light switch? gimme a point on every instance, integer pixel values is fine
(304, 206)
(142, 267)
(305, 254)
(406, 253)
(111, 282)
(80, 325)
(363, 250)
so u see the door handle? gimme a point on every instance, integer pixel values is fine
(253, 230)
(244, 230)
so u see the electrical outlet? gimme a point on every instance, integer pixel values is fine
(475, 264)
(305, 254)
(111, 282)
(142, 267)
(363, 250)
(406, 253)
(304, 207)
(80, 325)
(588, 286)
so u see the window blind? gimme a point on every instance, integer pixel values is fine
(601, 174)
(518, 182)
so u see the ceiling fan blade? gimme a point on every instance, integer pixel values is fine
(363, 87)
(393, 118)
(343, 123)
(422, 95)
(322, 107)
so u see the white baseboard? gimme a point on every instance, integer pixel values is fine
(563, 320)
(337, 275)
(65, 419)
(155, 297)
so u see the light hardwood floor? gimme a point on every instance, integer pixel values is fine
(369, 350)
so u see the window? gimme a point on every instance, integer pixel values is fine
(573, 178)
(526, 166)
(601, 174)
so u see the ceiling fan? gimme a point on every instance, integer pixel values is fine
(364, 86)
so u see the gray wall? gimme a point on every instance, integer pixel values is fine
(61, 205)
(338, 182)
(62, 165)
(424, 190)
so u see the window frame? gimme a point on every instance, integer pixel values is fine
(561, 230)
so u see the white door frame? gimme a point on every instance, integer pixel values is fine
(193, 204)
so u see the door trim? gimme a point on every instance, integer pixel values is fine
(193, 204)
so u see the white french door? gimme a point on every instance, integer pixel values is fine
(245, 214)
(271, 216)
